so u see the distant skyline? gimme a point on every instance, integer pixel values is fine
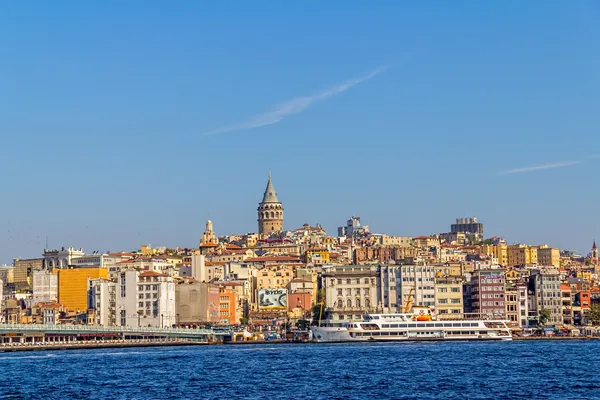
(109, 113)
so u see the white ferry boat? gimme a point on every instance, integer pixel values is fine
(407, 327)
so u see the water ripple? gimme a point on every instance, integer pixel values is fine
(539, 369)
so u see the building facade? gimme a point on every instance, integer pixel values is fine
(73, 286)
(350, 290)
(486, 294)
(45, 286)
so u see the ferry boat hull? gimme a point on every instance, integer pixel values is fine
(405, 327)
(341, 335)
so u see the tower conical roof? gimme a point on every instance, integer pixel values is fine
(270, 196)
(594, 246)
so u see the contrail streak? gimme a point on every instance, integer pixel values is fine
(534, 168)
(296, 105)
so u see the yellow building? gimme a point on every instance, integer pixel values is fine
(549, 256)
(520, 254)
(73, 286)
(276, 278)
(449, 298)
(317, 256)
(499, 252)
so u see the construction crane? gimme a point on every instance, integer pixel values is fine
(409, 301)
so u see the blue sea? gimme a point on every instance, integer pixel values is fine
(432, 370)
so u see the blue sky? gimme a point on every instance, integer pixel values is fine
(105, 109)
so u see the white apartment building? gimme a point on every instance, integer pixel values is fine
(547, 292)
(420, 279)
(102, 299)
(45, 287)
(156, 300)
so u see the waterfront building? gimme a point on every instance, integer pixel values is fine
(484, 294)
(23, 273)
(566, 304)
(546, 288)
(418, 279)
(228, 304)
(127, 311)
(156, 299)
(523, 302)
(102, 302)
(73, 286)
(449, 297)
(270, 211)
(197, 302)
(350, 290)
(62, 258)
(45, 286)
(512, 295)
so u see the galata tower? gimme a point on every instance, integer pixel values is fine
(270, 211)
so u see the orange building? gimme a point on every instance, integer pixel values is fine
(228, 306)
(73, 286)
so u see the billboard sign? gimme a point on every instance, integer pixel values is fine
(272, 299)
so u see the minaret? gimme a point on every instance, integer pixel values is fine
(270, 211)
(595, 254)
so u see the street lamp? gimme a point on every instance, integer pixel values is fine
(161, 321)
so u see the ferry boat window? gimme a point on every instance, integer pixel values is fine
(474, 324)
(402, 325)
(447, 325)
(385, 325)
(466, 324)
(438, 325)
(456, 324)
(421, 325)
(393, 325)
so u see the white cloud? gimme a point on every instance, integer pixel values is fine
(296, 105)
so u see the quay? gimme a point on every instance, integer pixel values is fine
(47, 337)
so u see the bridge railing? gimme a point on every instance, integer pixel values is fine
(110, 329)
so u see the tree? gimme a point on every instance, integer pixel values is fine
(544, 316)
(244, 321)
(302, 324)
(594, 314)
